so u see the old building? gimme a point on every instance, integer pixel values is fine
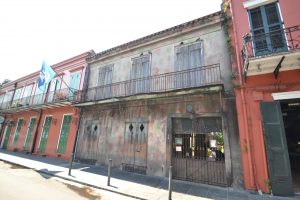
(265, 37)
(40, 122)
(164, 99)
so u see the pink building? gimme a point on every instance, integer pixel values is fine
(265, 38)
(40, 122)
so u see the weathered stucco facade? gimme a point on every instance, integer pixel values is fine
(141, 94)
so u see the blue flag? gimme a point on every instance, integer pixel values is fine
(46, 75)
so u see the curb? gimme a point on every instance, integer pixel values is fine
(72, 180)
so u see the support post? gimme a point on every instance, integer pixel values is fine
(170, 183)
(109, 171)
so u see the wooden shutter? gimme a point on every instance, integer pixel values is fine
(277, 151)
(140, 70)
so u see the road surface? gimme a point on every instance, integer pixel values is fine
(20, 183)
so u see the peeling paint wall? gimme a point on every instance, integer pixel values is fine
(112, 118)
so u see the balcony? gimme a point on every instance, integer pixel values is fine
(52, 99)
(267, 52)
(174, 81)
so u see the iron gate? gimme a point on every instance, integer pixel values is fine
(135, 147)
(198, 150)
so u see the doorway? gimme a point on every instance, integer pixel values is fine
(135, 147)
(291, 118)
(198, 150)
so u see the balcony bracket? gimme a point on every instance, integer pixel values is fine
(276, 71)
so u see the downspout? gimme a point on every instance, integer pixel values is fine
(250, 157)
(36, 133)
(2, 130)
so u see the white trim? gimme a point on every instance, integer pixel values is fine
(67, 114)
(12, 142)
(250, 4)
(286, 95)
(43, 129)
(33, 117)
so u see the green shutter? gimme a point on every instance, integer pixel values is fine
(44, 135)
(29, 134)
(6, 137)
(17, 132)
(277, 151)
(74, 83)
(64, 134)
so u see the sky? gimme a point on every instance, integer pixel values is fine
(55, 30)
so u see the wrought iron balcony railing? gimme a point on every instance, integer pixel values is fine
(275, 41)
(191, 78)
(63, 95)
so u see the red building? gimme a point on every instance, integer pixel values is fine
(265, 38)
(40, 122)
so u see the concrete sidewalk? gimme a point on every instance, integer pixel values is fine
(128, 184)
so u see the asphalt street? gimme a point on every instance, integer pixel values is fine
(21, 183)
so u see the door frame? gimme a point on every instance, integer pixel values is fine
(12, 142)
(32, 117)
(3, 138)
(43, 129)
(66, 114)
(227, 152)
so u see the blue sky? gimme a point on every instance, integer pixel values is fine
(55, 30)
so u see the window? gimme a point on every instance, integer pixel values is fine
(7, 99)
(54, 87)
(1, 100)
(74, 83)
(105, 75)
(26, 95)
(38, 97)
(140, 73)
(188, 60)
(17, 97)
(268, 35)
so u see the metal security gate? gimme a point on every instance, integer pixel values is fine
(135, 147)
(198, 150)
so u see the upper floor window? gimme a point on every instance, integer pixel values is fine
(188, 56)
(105, 76)
(75, 80)
(188, 63)
(267, 30)
(17, 96)
(140, 73)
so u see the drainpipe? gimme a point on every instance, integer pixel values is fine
(250, 157)
(36, 133)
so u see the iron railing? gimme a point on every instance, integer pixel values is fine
(196, 77)
(276, 41)
(40, 99)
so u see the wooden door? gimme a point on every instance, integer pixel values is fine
(135, 147)
(64, 134)
(17, 131)
(6, 137)
(29, 134)
(44, 135)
